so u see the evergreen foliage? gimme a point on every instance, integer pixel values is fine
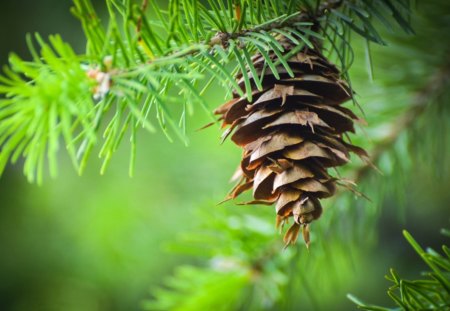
(147, 58)
(153, 64)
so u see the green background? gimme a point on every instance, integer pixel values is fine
(101, 242)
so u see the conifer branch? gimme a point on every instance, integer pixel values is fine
(135, 65)
(223, 38)
(432, 292)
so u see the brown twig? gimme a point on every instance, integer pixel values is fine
(223, 38)
(139, 21)
(437, 83)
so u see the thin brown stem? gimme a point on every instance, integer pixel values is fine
(436, 84)
(139, 21)
(223, 38)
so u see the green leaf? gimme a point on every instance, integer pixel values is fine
(269, 62)
(243, 69)
(253, 70)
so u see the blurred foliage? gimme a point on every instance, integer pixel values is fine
(96, 243)
(243, 256)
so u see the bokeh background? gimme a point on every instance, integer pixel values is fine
(103, 242)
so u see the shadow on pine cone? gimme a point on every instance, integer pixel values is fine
(291, 133)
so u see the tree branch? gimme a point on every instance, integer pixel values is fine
(437, 83)
(223, 38)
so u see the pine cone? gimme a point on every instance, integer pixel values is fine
(291, 134)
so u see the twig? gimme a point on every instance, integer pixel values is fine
(437, 83)
(223, 38)
(139, 21)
